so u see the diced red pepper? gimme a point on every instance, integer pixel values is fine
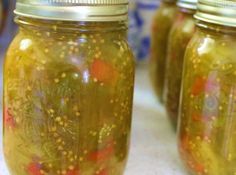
(34, 168)
(184, 143)
(198, 86)
(197, 117)
(199, 168)
(201, 118)
(73, 172)
(103, 71)
(102, 155)
(9, 119)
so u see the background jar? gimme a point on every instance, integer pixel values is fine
(68, 90)
(207, 114)
(180, 35)
(162, 23)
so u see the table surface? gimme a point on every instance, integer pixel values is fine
(153, 142)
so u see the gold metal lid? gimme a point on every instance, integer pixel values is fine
(222, 12)
(188, 4)
(74, 10)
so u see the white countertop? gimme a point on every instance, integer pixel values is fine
(153, 144)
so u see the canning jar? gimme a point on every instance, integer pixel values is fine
(68, 89)
(207, 128)
(180, 35)
(162, 23)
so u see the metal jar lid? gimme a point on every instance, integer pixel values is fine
(74, 10)
(188, 4)
(222, 12)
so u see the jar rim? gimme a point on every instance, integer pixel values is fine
(218, 12)
(73, 12)
(187, 4)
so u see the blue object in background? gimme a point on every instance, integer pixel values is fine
(141, 15)
(133, 28)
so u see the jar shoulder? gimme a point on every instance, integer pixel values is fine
(183, 28)
(87, 58)
(212, 45)
(56, 47)
(165, 13)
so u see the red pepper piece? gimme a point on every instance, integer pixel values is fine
(9, 119)
(34, 168)
(102, 155)
(73, 172)
(198, 86)
(184, 143)
(103, 71)
(199, 168)
(196, 117)
(202, 118)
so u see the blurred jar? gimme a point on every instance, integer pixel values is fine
(68, 89)
(207, 131)
(180, 35)
(162, 23)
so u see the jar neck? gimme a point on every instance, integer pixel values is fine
(215, 28)
(70, 26)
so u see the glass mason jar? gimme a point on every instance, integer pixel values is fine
(68, 89)
(180, 35)
(207, 115)
(162, 23)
